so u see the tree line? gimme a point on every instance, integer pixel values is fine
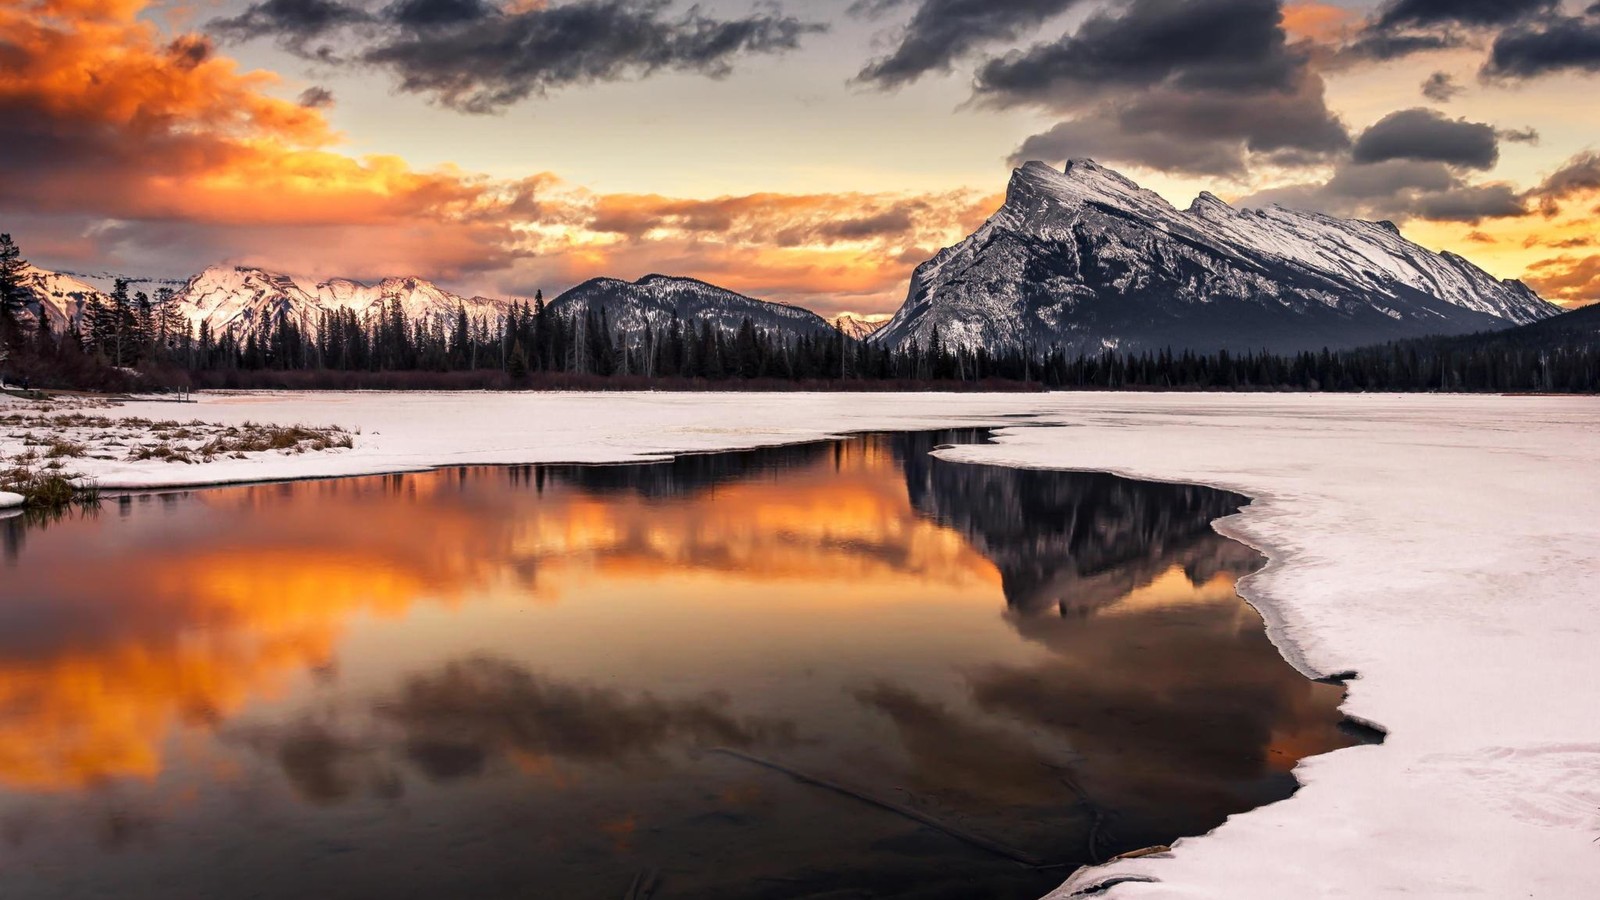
(126, 332)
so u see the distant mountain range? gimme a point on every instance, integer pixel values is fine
(244, 299)
(1081, 259)
(1087, 260)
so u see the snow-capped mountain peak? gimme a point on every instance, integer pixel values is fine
(1083, 258)
(240, 299)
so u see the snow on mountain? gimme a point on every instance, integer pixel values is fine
(1086, 259)
(654, 299)
(59, 297)
(242, 299)
(855, 326)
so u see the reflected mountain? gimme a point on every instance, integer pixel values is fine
(683, 475)
(1071, 541)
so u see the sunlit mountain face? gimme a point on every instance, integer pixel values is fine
(523, 681)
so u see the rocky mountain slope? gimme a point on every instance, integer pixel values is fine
(1085, 259)
(653, 300)
(57, 296)
(855, 326)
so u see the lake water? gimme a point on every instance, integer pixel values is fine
(600, 682)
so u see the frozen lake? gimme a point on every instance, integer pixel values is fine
(520, 682)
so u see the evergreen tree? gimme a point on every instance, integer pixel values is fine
(12, 265)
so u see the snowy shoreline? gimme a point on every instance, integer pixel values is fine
(1439, 546)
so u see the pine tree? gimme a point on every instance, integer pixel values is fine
(12, 266)
(12, 296)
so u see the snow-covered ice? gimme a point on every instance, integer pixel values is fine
(1443, 547)
(8, 499)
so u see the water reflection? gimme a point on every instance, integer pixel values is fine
(508, 682)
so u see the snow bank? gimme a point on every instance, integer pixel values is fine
(8, 500)
(1442, 547)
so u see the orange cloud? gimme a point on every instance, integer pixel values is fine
(164, 150)
(1319, 22)
(1568, 280)
(831, 252)
(110, 118)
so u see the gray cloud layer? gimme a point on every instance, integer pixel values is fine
(1428, 136)
(476, 57)
(1197, 86)
(942, 31)
(1558, 44)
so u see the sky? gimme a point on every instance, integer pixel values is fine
(808, 152)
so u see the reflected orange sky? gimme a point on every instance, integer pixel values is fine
(201, 630)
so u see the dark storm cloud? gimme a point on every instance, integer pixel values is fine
(1200, 134)
(1096, 139)
(479, 58)
(1399, 189)
(1198, 86)
(1441, 87)
(1191, 44)
(315, 97)
(1403, 27)
(489, 63)
(942, 31)
(293, 23)
(1578, 175)
(431, 13)
(1460, 12)
(1471, 203)
(1380, 46)
(1426, 135)
(1558, 44)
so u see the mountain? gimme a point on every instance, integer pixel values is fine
(654, 299)
(59, 297)
(242, 299)
(1577, 329)
(1085, 259)
(855, 326)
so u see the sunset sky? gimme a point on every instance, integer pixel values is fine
(812, 152)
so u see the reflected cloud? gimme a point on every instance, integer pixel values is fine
(455, 720)
(963, 761)
(1178, 669)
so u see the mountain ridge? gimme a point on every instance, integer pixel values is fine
(1085, 259)
(651, 302)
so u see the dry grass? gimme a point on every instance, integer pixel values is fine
(48, 488)
(54, 435)
(60, 448)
